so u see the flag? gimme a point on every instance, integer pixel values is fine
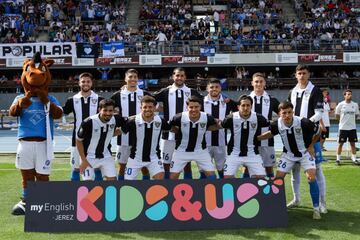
(207, 51)
(87, 50)
(115, 49)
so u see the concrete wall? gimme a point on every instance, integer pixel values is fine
(336, 95)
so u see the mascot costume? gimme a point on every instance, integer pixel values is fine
(35, 110)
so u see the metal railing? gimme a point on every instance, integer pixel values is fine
(193, 47)
(229, 84)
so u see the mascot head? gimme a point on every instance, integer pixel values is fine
(36, 76)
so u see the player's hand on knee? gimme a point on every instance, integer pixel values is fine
(83, 166)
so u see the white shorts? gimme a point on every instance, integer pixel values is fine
(74, 158)
(133, 167)
(106, 166)
(218, 155)
(123, 154)
(268, 156)
(253, 163)
(286, 162)
(167, 148)
(201, 157)
(32, 155)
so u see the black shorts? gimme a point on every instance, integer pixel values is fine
(325, 135)
(347, 135)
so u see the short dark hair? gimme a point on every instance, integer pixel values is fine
(179, 69)
(214, 81)
(193, 99)
(106, 103)
(148, 99)
(244, 97)
(258, 74)
(285, 105)
(131, 70)
(302, 67)
(346, 90)
(86, 74)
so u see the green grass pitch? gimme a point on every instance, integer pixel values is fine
(342, 221)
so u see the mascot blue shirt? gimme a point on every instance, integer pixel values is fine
(32, 122)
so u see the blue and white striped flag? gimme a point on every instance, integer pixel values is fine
(115, 49)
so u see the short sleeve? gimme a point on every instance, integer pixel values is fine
(210, 121)
(262, 121)
(116, 98)
(227, 122)
(176, 121)
(119, 121)
(165, 125)
(69, 106)
(337, 109)
(275, 104)
(128, 125)
(85, 129)
(274, 128)
(309, 127)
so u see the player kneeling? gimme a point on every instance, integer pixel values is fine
(93, 142)
(298, 135)
(145, 129)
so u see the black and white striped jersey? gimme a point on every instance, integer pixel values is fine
(96, 135)
(191, 135)
(146, 136)
(128, 104)
(174, 102)
(219, 109)
(243, 139)
(307, 102)
(81, 108)
(297, 137)
(265, 105)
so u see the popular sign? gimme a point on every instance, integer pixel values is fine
(155, 205)
(47, 49)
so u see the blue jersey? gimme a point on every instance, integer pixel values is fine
(32, 121)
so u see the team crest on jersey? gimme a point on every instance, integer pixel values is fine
(202, 125)
(184, 124)
(77, 101)
(266, 101)
(94, 100)
(253, 125)
(139, 97)
(112, 126)
(123, 98)
(187, 94)
(96, 130)
(306, 95)
(157, 124)
(298, 130)
(222, 103)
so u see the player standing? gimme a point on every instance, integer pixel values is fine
(174, 99)
(265, 105)
(127, 103)
(347, 111)
(307, 100)
(215, 105)
(83, 104)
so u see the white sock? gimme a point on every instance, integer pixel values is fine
(338, 157)
(295, 181)
(353, 157)
(321, 183)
